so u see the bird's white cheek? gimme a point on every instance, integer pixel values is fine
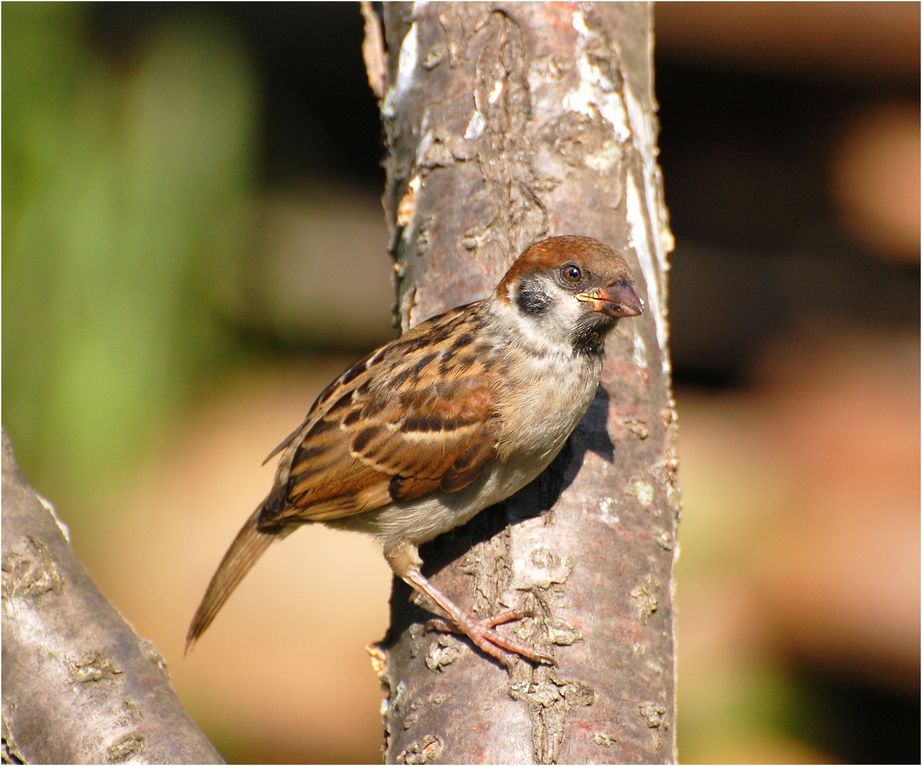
(567, 314)
(544, 334)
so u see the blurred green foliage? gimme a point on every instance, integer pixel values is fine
(751, 701)
(124, 185)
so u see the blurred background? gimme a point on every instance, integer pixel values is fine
(187, 187)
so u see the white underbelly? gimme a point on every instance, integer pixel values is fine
(418, 521)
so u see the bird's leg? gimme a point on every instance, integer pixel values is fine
(405, 562)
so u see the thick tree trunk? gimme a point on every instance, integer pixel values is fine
(79, 686)
(506, 123)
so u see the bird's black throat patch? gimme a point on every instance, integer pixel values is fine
(588, 334)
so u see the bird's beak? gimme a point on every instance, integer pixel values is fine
(615, 300)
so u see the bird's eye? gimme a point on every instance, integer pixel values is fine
(571, 272)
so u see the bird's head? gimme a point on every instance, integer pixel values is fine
(570, 290)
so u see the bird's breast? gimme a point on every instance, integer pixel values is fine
(542, 403)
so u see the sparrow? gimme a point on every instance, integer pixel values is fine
(454, 416)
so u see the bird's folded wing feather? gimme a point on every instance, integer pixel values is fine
(400, 424)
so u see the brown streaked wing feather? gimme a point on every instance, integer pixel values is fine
(432, 430)
(337, 391)
(467, 467)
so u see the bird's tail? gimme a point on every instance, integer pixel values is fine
(249, 544)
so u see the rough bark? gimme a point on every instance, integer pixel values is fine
(505, 123)
(79, 686)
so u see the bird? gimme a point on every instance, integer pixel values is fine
(456, 415)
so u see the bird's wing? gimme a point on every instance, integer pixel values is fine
(410, 419)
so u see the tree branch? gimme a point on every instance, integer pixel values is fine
(79, 686)
(505, 123)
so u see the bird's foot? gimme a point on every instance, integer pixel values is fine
(485, 637)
